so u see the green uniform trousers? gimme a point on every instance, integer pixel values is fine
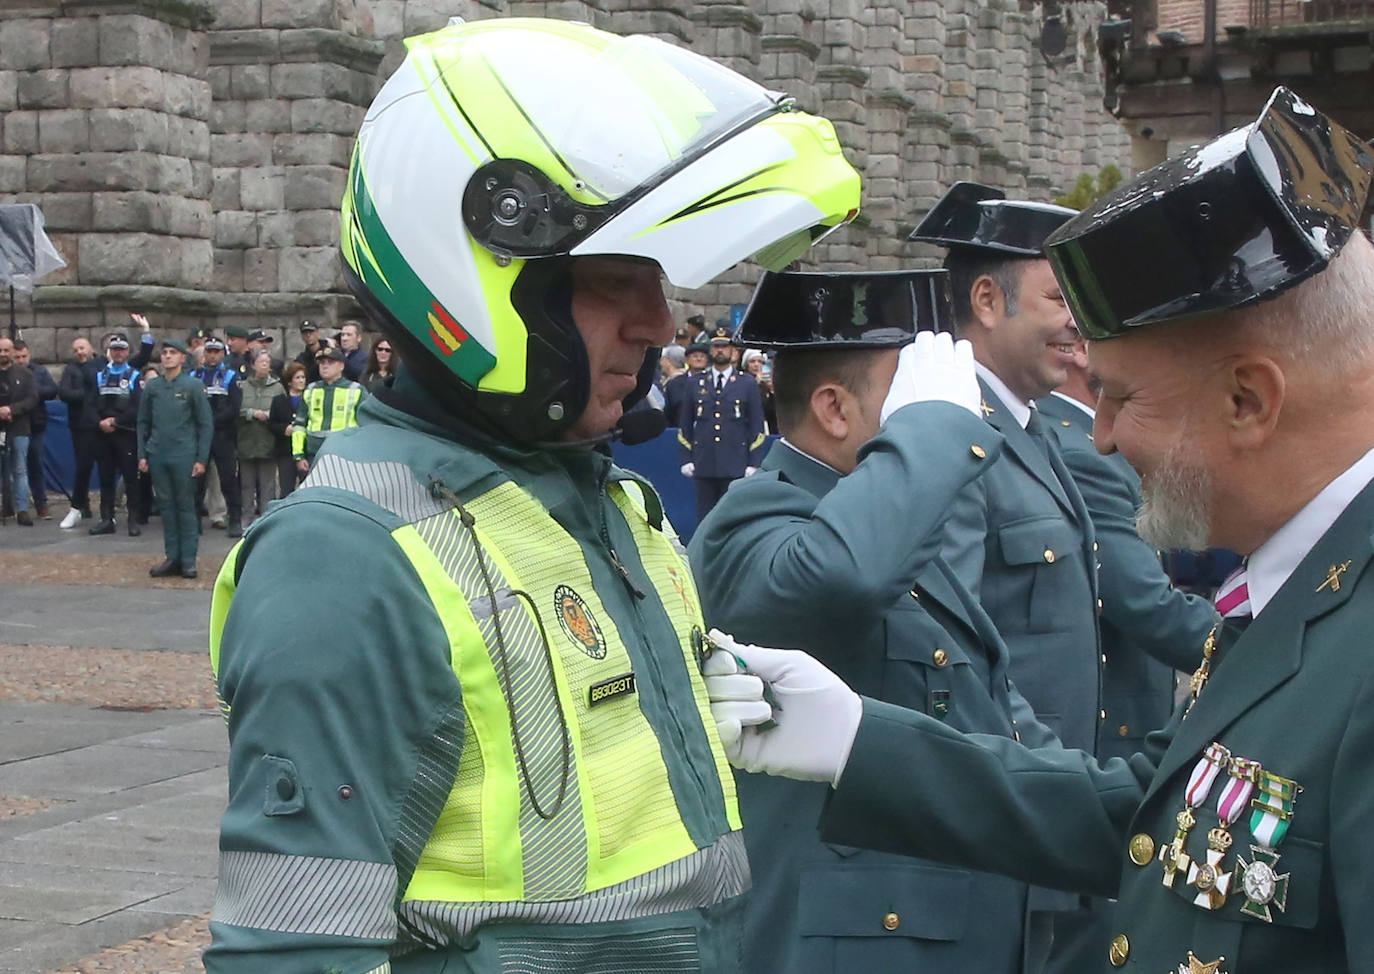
(176, 497)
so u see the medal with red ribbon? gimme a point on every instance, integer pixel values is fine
(1211, 881)
(1204, 775)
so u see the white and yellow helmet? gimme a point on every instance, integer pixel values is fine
(502, 148)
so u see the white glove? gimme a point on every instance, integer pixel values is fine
(689, 469)
(934, 367)
(816, 715)
(736, 697)
(750, 471)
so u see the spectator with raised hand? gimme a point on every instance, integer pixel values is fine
(257, 442)
(17, 400)
(116, 441)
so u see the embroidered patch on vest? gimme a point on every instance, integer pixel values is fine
(616, 686)
(578, 623)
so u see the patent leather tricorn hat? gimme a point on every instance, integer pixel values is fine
(1227, 224)
(845, 310)
(977, 217)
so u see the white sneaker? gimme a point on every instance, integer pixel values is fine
(72, 519)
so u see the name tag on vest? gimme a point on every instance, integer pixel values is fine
(617, 686)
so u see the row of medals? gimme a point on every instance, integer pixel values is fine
(1259, 879)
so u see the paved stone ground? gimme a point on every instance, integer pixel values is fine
(112, 756)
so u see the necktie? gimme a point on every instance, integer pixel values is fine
(720, 382)
(1233, 598)
(1035, 429)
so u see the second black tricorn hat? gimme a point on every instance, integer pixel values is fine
(862, 309)
(1232, 222)
(977, 217)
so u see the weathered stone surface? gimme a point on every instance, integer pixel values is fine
(134, 212)
(236, 229)
(260, 269)
(325, 115)
(75, 42)
(312, 149)
(309, 268)
(241, 149)
(262, 188)
(12, 170)
(63, 130)
(249, 81)
(128, 258)
(20, 132)
(43, 89)
(25, 43)
(314, 187)
(66, 212)
(299, 13)
(105, 87)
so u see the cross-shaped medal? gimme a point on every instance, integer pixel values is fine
(1262, 885)
(1333, 577)
(1212, 884)
(1172, 855)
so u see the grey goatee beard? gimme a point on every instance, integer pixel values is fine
(1174, 509)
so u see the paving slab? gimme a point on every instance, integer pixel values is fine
(93, 617)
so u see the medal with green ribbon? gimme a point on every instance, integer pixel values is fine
(1260, 879)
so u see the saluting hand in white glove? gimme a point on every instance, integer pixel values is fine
(815, 715)
(934, 367)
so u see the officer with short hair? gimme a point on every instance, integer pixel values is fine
(314, 343)
(721, 425)
(174, 434)
(116, 441)
(236, 339)
(226, 398)
(326, 407)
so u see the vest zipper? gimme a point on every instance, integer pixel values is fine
(675, 726)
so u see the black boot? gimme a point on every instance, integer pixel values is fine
(189, 571)
(106, 526)
(134, 529)
(234, 528)
(168, 567)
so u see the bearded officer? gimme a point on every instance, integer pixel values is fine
(497, 753)
(1237, 841)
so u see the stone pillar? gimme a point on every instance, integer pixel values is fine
(291, 80)
(105, 126)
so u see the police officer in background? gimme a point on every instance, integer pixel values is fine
(721, 425)
(257, 340)
(1021, 537)
(174, 433)
(326, 407)
(314, 344)
(236, 342)
(116, 442)
(226, 398)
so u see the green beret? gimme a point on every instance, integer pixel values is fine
(234, 331)
(176, 343)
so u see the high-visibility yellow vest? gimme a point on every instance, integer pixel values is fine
(606, 840)
(328, 410)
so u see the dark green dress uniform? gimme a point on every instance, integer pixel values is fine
(174, 430)
(1294, 692)
(795, 555)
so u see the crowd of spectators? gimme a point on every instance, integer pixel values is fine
(269, 416)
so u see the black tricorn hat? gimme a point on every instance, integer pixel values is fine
(1223, 225)
(978, 217)
(879, 309)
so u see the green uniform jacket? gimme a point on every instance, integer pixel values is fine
(1150, 630)
(1295, 693)
(800, 557)
(174, 419)
(350, 682)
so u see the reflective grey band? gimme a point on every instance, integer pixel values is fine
(704, 878)
(306, 894)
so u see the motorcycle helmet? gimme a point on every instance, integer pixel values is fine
(501, 150)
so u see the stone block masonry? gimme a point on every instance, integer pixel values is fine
(190, 155)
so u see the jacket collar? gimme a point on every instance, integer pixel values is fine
(1023, 447)
(1270, 651)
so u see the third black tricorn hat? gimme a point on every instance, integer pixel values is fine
(862, 309)
(976, 217)
(1235, 221)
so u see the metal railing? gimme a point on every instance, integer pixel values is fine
(1287, 13)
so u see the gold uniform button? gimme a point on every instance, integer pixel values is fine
(978, 452)
(1123, 731)
(1049, 560)
(892, 921)
(1119, 951)
(1142, 849)
(940, 657)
